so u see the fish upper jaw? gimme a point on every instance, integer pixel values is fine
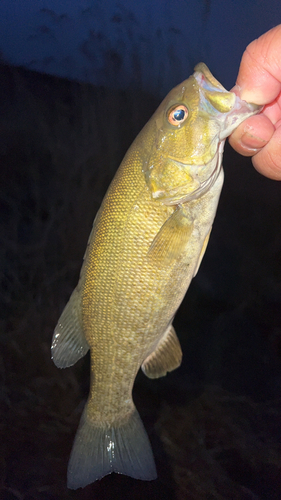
(229, 109)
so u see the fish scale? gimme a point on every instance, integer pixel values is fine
(146, 245)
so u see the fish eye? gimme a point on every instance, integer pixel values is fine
(177, 114)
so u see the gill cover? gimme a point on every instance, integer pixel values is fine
(190, 127)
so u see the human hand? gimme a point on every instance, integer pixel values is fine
(259, 82)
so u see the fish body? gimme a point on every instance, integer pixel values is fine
(147, 242)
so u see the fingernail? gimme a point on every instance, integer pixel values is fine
(250, 141)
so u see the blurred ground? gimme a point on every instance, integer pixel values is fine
(215, 422)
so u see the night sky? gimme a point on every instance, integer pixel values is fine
(150, 45)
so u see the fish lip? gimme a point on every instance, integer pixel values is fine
(205, 185)
(240, 112)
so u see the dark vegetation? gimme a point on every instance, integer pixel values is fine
(214, 423)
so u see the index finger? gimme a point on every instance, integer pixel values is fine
(259, 77)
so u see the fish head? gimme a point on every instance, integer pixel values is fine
(190, 127)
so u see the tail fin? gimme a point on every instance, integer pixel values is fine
(98, 451)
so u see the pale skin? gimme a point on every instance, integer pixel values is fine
(259, 82)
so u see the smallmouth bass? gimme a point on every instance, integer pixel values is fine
(147, 243)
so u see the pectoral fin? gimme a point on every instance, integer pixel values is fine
(69, 343)
(203, 250)
(166, 357)
(171, 240)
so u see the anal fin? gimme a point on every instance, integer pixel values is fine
(166, 357)
(69, 343)
(172, 238)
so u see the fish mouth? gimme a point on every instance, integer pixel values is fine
(202, 186)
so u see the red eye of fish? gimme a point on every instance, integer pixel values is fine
(178, 115)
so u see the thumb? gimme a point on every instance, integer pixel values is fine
(259, 77)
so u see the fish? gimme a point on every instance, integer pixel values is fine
(147, 242)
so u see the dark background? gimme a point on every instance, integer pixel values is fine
(214, 423)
